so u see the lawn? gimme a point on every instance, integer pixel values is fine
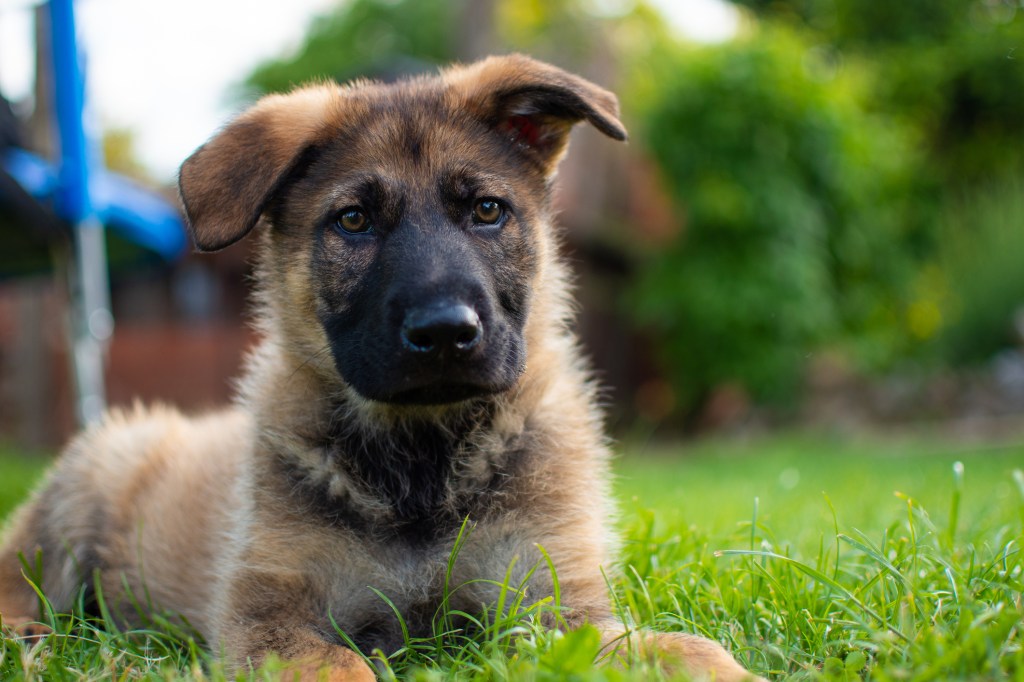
(809, 558)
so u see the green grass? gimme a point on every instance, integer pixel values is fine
(825, 551)
(810, 559)
(18, 473)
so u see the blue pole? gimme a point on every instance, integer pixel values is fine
(90, 288)
(69, 90)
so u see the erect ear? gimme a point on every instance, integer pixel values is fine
(534, 103)
(226, 184)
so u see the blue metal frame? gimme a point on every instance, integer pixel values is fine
(136, 213)
(79, 187)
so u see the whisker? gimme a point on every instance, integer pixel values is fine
(318, 356)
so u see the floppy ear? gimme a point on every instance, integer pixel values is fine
(226, 184)
(534, 103)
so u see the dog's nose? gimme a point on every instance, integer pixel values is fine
(451, 327)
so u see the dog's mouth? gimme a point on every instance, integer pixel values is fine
(441, 394)
(439, 384)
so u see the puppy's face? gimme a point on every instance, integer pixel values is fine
(407, 222)
(423, 233)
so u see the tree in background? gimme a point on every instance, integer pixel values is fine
(367, 38)
(951, 67)
(845, 173)
(792, 198)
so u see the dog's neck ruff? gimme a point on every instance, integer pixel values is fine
(414, 480)
(410, 465)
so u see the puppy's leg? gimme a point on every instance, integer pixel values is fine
(62, 523)
(700, 658)
(19, 606)
(306, 654)
(19, 603)
(274, 611)
(58, 526)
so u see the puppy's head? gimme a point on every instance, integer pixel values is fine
(406, 225)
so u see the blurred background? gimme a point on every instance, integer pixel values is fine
(818, 221)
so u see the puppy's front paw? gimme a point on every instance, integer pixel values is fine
(702, 659)
(349, 670)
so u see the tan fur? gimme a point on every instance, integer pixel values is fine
(203, 516)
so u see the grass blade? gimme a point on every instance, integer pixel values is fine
(823, 579)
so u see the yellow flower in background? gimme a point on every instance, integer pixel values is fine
(924, 319)
(933, 306)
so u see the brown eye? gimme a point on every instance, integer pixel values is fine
(487, 211)
(353, 221)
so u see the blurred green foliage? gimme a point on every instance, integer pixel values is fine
(366, 37)
(982, 261)
(849, 178)
(951, 67)
(796, 228)
(868, 23)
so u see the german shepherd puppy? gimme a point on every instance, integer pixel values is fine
(416, 371)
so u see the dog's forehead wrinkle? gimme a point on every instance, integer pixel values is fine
(470, 176)
(418, 142)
